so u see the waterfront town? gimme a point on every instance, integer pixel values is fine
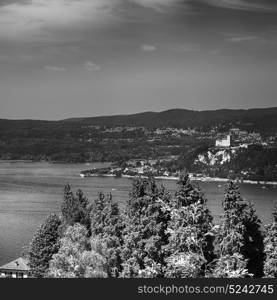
(223, 147)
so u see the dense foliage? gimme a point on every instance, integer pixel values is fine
(145, 233)
(77, 256)
(106, 227)
(270, 242)
(156, 235)
(44, 245)
(75, 208)
(239, 237)
(190, 246)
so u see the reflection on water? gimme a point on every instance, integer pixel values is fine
(30, 191)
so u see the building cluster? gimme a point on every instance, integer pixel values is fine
(144, 167)
(234, 137)
(242, 139)
(120, 129)
(175, 131)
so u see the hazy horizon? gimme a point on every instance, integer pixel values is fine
(66, 58)
(134, 113)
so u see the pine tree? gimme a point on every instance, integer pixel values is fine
(190, 245)
(107, 226)
(75, 208)
(44, 245)
(240, 239)
(77, 257)
(270, 242)
(145, 236)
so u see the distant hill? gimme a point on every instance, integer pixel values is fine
(260, 118)
(73, 140)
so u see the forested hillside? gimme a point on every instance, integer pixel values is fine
(115, 138)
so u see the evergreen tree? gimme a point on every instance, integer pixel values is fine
(107, 226)
(270, 242)
(77, 257)
(145, 235)
(240, 238)
(75, 208)
(190, 245)
(44, 245)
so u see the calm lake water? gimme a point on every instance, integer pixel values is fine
(30, 191)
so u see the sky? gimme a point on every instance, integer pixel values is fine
(79, 58)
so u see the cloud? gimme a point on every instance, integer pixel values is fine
(159, 5)
(186, 47)
(148, 48)
(55, 68)
(90, 66)
(249, 5)
(262, 38)
(239, 39)
(32, 16)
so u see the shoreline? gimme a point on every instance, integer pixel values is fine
(193, 178)
(201, 179)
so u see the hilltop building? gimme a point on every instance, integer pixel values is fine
(224, 142)
(17, 268)
(235, 131)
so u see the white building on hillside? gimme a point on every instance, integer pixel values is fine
(224, 142)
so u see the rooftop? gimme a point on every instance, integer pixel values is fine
(19, 264)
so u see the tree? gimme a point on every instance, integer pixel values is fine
(230, 266)
(75, 208)
(270, 242)
(107, 226)
(190, 245)
(240, 239)
(44, 245)
(77, 257)
(144, 235)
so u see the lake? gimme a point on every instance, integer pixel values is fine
(30, 191)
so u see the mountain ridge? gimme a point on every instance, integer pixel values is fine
(186, 118)
(262, 118)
